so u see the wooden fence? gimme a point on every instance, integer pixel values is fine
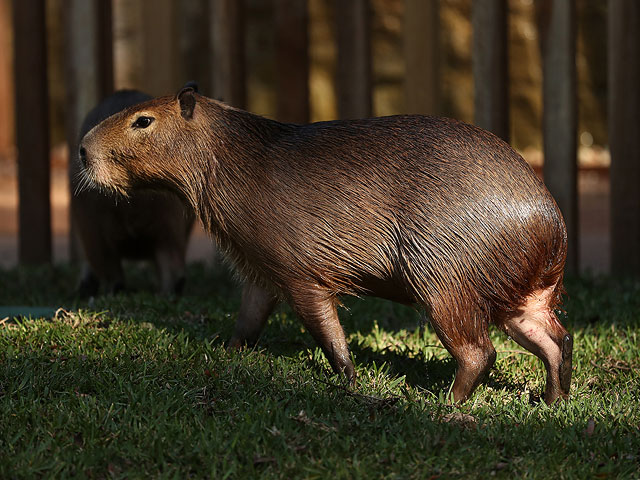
(89, 71)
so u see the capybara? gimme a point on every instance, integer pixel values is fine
(153, 225)
(417, 209)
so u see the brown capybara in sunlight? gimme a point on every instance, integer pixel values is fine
(420, 210)
(149, 225)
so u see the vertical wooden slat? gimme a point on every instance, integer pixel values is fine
(228, 50)
(490, 66)
(624, 135)
(88, 58)
(32, 131)
(159, 75)
(422, 56)
(105, 47)
(128, 46)
(88, 75)
(354, 58)
(193, 38)
(82, 69)
(558, 37)
(292, 58)
(6, 84)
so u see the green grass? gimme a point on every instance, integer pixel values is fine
(140, 386)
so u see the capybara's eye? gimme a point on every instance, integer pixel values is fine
(143, 122)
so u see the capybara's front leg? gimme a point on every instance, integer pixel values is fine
(535, 327)
(256, 306)
(317, 310)
(104, 266)
(170, 265)
(89, 283)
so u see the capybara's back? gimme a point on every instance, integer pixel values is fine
(149, 225)
(416, 209)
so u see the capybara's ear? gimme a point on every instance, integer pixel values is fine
(187, 100)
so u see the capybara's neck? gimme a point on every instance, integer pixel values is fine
(230, 164)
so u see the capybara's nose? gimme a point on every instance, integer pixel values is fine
(83, 156)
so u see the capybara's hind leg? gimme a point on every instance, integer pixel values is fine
(475, 358)
(535, 327)
(317, 310)
(256, 306)
(467, 340)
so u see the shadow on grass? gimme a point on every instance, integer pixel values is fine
(208, 308)
(55, 285)
(590, 299)
(432, 374)
(598, 300)
(258, 416)
(248, 409)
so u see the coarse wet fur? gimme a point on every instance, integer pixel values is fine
(149, 225)
(421, 210)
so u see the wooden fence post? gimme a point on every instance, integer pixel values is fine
(6, 84)
(490, 66)
(160, 48)
(105, 47)
(422, 56)
(228, 45)
(32, 131)
(624, 135)
(558, 38)
(292, 60)
(354, 58)
(89, 74)
(195, 46)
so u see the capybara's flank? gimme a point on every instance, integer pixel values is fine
(420, 210)
(150, 225)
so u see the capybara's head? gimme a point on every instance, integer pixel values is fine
(143, 145)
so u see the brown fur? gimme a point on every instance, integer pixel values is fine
(149, 225)
(416, 209)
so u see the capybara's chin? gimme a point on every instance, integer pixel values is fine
(109, 181)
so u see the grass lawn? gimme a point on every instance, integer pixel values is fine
(140, 386)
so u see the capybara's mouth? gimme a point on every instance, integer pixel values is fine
(94, 175)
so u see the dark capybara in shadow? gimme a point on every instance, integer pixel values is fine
(420, 210)
(149, 225)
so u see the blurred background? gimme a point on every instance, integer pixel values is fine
(299, 60)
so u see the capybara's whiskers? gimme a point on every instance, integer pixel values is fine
(82, 182)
